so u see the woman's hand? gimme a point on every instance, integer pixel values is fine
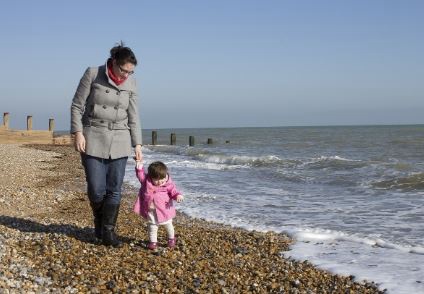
(79, 142)
(138, 153)
(180, 198)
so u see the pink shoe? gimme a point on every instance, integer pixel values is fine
(171, 242)
(152, 245)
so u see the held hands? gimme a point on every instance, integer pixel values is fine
(79, 142)
(180, 198)
(138, 163)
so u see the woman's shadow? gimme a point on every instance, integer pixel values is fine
(85, 234)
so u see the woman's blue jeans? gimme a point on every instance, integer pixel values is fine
(104, 178)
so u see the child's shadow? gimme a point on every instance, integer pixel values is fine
(85, 234)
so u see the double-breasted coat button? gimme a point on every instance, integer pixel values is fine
(102, 121)
(107, 91)
(116, 107)
(104, 106)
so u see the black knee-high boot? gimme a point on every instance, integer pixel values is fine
(110, 215)
(97, 208)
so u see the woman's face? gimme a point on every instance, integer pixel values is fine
(123, 71)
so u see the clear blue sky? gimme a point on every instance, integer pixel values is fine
(221, 63)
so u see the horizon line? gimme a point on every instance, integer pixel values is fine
(286, 126)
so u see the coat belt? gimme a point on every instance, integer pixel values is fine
(99, 123)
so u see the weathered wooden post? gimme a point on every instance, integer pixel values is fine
(210, 141)
(154, 137)
(191, 141)
(6, 120)
(227, 142)
(173, 139)
(51, 124)
(29, 122)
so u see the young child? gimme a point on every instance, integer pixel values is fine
(155, 200)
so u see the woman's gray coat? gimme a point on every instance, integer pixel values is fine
(107, 114)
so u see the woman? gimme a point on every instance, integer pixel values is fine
(105, 124)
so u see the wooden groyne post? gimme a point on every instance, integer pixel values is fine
(6, 120)
(154, 137)
(51, 125)
(29, 123)
(210, 141)
(191, 141)
(173, 139)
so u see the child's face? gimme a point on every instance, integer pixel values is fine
(159, 182)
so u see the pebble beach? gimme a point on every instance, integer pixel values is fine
(47, 243)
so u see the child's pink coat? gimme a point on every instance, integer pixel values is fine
(162, 197)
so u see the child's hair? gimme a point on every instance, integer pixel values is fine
(157, 170)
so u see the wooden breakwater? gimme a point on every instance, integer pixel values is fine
(173, 139)
(30, 136)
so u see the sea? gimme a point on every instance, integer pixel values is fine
(352, 197)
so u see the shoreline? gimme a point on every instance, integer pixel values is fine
(47, 243)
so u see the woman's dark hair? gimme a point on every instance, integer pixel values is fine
(122, 54)
(157, 170)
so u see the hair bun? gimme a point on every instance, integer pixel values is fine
(122, 54)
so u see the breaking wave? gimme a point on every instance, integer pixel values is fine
(414, 182)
